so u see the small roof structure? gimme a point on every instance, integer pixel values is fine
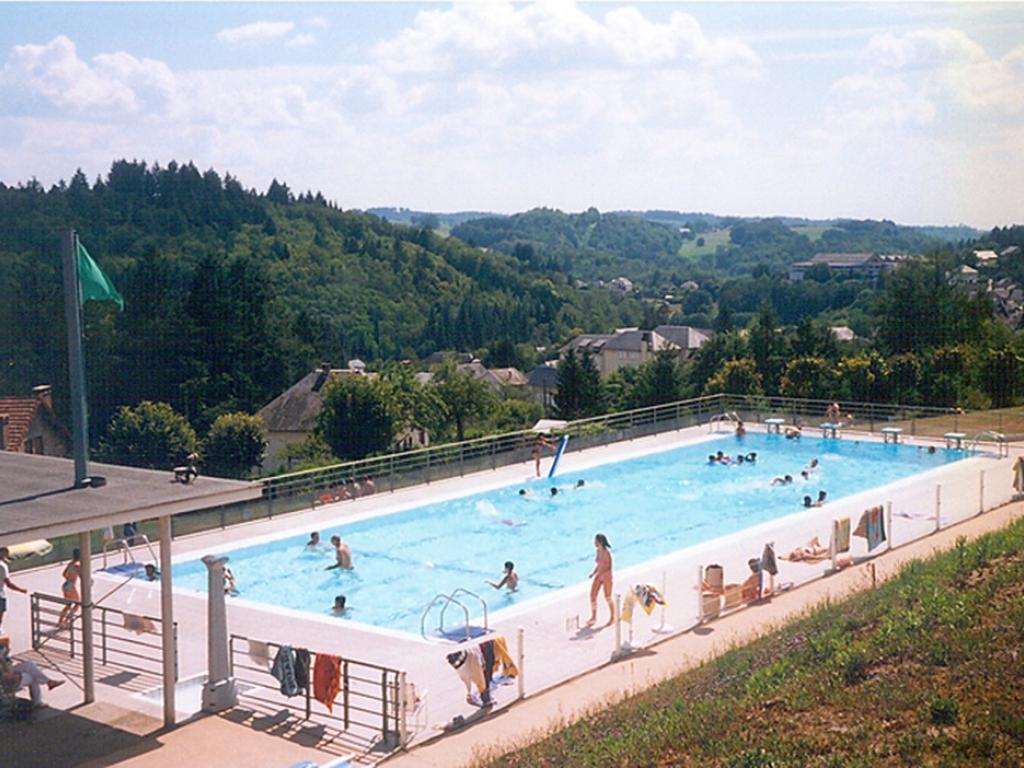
(546, 425)
(298, 407)
(684, 336)
(17, 414)
(543, 376)
(38, 499)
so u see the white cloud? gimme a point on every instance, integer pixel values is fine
(301, 40)
(55, 71)
(317, 22)
(555, 34)
(256, 32)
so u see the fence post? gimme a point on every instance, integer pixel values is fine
(494, 458)
(938, 506)
(384, 703)
(981, 492)
(520, 655)
(888, 523)
(391, 482)
(33, 609)
(462, 450)
(403, 703)
(345, 682)
(103, 632)
(700, 594)
(662, 627)
(428, 467)
(618, 626)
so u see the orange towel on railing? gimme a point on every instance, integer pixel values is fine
(326, 679)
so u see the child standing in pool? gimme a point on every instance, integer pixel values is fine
(510, 579)
(602, 575)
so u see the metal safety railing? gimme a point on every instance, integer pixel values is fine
(371, 698)
(120, 638)
(301, 490)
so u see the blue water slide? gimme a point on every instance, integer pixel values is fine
(558, 455)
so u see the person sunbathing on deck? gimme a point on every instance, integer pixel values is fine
(811, 551)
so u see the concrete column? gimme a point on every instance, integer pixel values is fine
(219, 692)
(167, 621)
(88, 654)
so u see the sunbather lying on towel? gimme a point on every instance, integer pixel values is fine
(811, 552)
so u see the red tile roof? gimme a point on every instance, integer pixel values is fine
(19, 412)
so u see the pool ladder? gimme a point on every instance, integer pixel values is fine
(446, 601)
(730, 417)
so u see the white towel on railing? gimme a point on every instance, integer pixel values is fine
(259, 653)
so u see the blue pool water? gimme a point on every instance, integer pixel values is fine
(647, 506)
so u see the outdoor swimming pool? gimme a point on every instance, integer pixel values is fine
(647, 506)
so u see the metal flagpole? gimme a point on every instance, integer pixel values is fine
(76, 360)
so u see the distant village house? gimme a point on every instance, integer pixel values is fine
(867, 266)
(632, 347)
(29, 425)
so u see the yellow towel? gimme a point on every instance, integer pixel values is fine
(628, 604)
(501, 654)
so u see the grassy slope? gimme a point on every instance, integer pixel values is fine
(711, 241)
(926, 671)
(812, 233)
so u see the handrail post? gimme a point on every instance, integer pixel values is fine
(403, 715)
(345, 683)
(520, 656)
(384, 703)
(103, 632)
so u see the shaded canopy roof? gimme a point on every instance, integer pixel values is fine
(38, 498)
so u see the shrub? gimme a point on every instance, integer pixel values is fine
(944, 710)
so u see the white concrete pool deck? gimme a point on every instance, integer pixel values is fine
(557, 646)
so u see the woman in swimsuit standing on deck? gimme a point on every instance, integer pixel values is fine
(69, 588)
(602, 575)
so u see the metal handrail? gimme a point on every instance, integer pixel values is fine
(45, 630)
(448, 599)
(427, 459)
(997, 437)
(464, 591)
(123, 545)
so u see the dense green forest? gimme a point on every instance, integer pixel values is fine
(650, 247)
(230, 295)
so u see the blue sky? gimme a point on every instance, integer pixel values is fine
(911, 112)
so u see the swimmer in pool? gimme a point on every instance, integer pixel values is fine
(783, 480)
(338, 609)
(342, 555)
(509, 579)
(822, 495)
(554, 491)
(580, 483)
(314, 545)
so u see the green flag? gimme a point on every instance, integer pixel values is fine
(94, 284)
